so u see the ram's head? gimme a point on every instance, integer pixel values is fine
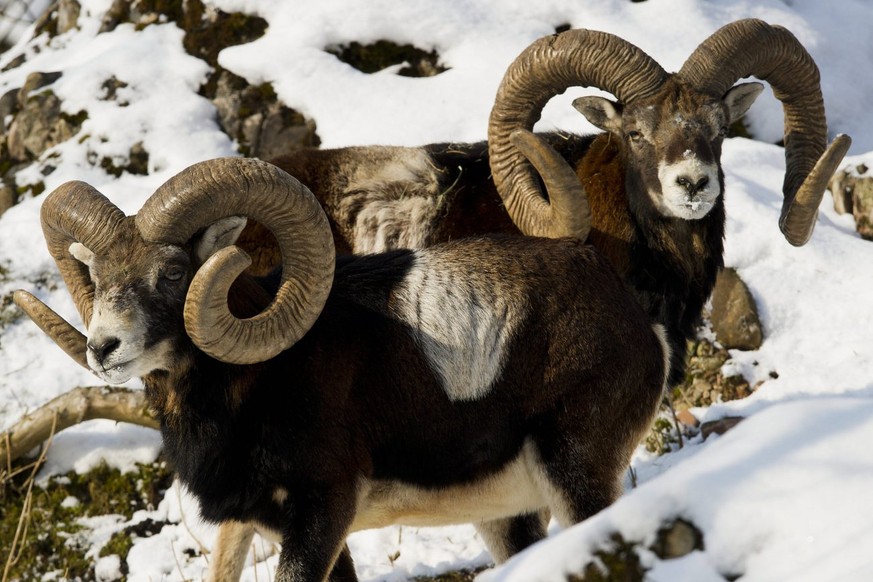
(668, 127)
(142, 284)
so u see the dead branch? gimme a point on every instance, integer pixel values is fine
(71, 408)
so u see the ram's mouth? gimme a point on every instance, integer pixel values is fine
(696, 208)
(115, 374)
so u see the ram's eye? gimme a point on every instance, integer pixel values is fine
(173, 273)
(634, 135)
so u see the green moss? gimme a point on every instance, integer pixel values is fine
(704, 381)
(370, 58)
(30, 189)
(76, 120)
(662, 436)
(136, 163)
(55, 539)
(9, 312)
(206, 37)
(619, 563)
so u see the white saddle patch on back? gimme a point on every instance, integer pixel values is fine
(463, 329)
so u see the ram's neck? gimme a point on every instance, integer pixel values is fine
(670, 264)
(612, 226)
(199, 390)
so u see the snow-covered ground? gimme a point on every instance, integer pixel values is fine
(786, 495)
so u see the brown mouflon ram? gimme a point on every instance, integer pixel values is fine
(653, 178)
(494, 380)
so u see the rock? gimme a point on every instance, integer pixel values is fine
(36, 81)
(7, 197)
(282, 130)
(734, 314)
(852, 189)
(38, 122)
(38, 126)
(261, 124)
(68, 15)
(8, 106)
(685, 417)
(678, 539)
(720, 426)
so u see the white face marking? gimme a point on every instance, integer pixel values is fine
(463, 331)
(675, 200)
(131, 358)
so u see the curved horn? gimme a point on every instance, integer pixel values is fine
(752, 47)
(53, 325)
(547, 68)
(209, 191)
(76, 212)
(572, 215)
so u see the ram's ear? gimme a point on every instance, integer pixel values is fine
(82, 253)
(600, 112)
(220, 234)
(740, 97)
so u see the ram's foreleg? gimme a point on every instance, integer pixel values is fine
(229, 553)
(315, 525)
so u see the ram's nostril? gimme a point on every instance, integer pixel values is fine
(691, 186)
(101, 349)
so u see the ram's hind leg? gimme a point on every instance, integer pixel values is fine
(579, 477)
(506, 537)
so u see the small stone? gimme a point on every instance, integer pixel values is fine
(68, 15)
(720, 426)
(734, 314)
(678, 539)
(686, 418)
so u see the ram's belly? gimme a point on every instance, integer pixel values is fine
(515, 489)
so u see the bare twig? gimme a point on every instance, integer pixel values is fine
(18, 541)
(71, 408)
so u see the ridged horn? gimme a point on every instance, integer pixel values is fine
(753, 48)
(571, 211)
(77, 212)
(53, 325)
(209, 191)
(547, 68)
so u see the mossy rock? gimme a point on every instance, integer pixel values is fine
(704, 382)
(619, 563)
(371, 58)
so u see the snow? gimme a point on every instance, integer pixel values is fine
(783, 496)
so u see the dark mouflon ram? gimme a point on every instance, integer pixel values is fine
(653, 178)
(494, 380)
